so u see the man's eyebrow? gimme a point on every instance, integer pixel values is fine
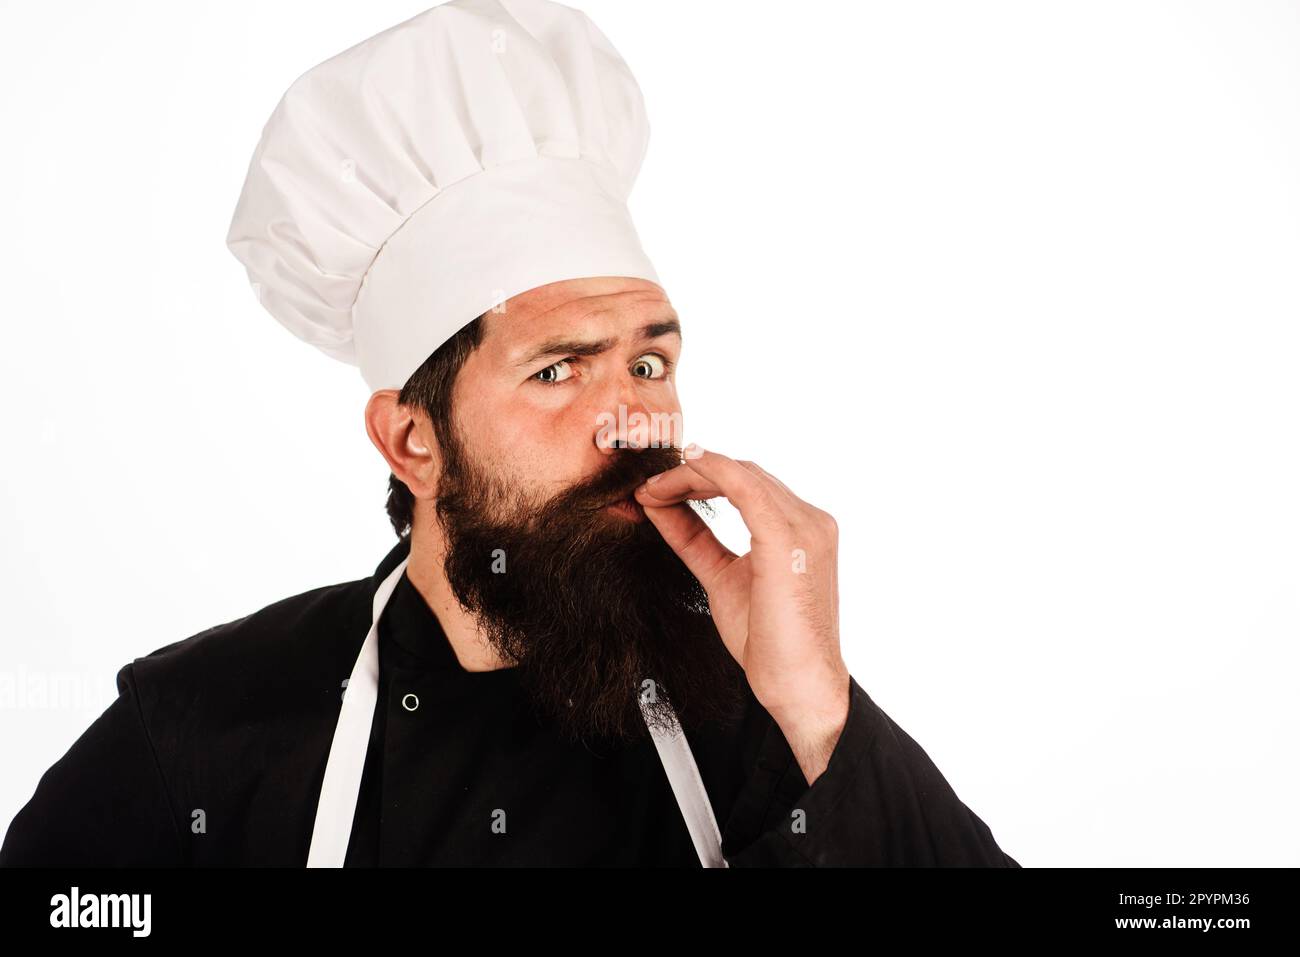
(653, 330)
(592, 347)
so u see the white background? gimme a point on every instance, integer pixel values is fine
(1008, 288)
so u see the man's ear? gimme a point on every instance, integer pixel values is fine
(404, 437)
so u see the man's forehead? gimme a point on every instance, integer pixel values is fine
(585, 307)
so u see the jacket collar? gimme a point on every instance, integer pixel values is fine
(390, 561)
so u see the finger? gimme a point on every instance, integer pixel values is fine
(693, 541)
(682, 479)
(778, 487)
(676, 485)
(763, 510)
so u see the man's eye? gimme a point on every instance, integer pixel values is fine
(650, 366)
(555, 373)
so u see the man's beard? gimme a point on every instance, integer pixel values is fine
(608, 628)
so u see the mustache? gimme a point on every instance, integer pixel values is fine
(626, 470)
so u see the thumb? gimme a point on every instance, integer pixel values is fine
(693, 541)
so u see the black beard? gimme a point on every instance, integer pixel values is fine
(608, 628)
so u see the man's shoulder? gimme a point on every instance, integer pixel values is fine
(304, 639)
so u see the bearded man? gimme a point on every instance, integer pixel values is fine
(558, 663)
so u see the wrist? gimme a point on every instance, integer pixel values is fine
(812, 731)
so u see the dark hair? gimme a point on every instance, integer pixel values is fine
(429, 388)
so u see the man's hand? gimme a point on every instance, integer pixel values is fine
(777, 607)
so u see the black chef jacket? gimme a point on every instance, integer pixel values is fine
(214, 754)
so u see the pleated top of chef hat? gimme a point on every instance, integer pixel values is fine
(421, 177)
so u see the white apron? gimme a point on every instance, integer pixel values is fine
(342, 784)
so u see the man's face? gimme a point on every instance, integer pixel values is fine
(537, 398)
(600, 616)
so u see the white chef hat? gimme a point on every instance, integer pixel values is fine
(421, 177)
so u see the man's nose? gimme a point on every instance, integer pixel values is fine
(624, 421)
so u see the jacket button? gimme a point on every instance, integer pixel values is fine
(410, 702)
